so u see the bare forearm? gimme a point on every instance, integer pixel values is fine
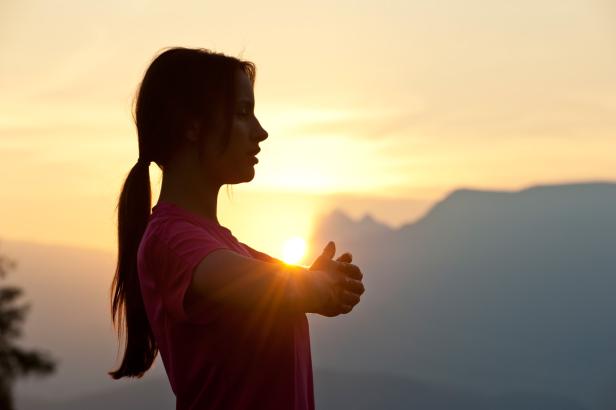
(253, 284)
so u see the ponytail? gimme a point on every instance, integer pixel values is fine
(127, 308)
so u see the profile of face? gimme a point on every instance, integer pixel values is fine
(237, 163)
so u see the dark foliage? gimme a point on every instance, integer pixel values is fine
(15, 361)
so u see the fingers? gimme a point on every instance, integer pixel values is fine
(325, 258)
(331, 312)
(330, 250)
(350, 270)
(349, 298)
(339, 309)
(347, 286)
(341, 303)
(345, 257)
(353, 286)
(346, 309)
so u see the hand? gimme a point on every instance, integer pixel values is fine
(337, 283)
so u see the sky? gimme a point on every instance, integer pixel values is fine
(371, 107)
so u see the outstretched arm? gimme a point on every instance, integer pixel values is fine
(226, 277)
(260, 255)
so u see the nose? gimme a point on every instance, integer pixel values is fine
(261, 133)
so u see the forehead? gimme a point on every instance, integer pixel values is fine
(243, 86)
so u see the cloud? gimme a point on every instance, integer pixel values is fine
(359, 125)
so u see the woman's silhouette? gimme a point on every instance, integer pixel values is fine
(228, 320)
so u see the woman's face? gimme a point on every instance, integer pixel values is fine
(236, 164)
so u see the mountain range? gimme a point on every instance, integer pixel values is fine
(500, 300)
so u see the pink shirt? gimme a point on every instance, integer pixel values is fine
(221, 358)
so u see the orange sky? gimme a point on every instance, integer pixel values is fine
(399, 101)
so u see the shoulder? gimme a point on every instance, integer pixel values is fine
(173, 247)
(180, 235)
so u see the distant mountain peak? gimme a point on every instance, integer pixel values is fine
(338, 224)
(368, 218)
(338, 216)
(463, 202)
(575, 187)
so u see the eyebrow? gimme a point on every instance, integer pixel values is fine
(247, 100)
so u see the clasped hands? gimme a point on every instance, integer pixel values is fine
(338, 283)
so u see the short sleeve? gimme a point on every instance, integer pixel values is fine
(180, 248)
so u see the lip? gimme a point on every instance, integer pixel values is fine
(255, 152)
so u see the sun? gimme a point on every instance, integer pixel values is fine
(293, 249)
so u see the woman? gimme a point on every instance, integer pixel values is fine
(229, 321)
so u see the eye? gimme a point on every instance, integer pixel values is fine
(244, 111)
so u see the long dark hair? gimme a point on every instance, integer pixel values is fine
(181, 86)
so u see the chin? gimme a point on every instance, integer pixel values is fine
(250, 177)
(251, 173)
(247, 177)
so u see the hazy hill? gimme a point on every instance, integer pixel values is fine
(505, 294)
(334, 390)
(68, 289)
(494, 291)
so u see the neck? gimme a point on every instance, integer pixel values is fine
(184, 185)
